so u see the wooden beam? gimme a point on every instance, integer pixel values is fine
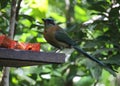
(18, 58)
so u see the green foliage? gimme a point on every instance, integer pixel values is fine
(98, 36)
(85, 81)
(3, 3)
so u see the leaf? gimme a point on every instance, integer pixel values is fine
(96, 72)
(99, 6)
(115, 60)
(30, 18)
(85, 81)
(118, 1)
(35, 25)
(114, 12)
(56, 73)
(91, 44)
(103, 50)
(94, 68)
(3, 3)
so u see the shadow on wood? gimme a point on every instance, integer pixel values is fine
(18, 58)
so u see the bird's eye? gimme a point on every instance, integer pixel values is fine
(51, 21)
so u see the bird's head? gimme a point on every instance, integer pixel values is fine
(48, 21)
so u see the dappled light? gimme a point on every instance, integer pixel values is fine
(93, 24)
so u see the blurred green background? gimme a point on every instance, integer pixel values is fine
(93, 24)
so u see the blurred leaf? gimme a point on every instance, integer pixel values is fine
(114, 12)
(57, 73)
(36, 26)
(95, 70)
(103, 51)
(91, 44)
(56, 81)
(58, 17)
(80, 14)
(106, 79)
(30, 18)
(3, 3)
(118, 1)
(100, 38)
(40, 40)
(85, 81)
(99, 5)
(115, 60)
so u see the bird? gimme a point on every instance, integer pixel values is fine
(57, 37)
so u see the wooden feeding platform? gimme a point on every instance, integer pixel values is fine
(18, 58)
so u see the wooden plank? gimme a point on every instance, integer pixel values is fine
(17, 58)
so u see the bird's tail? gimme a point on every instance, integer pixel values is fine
(94, 59)
(87, 55)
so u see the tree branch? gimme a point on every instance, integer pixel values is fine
(15, 6)
(12, 19)
(17, 13)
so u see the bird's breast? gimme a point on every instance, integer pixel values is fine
(49, 35)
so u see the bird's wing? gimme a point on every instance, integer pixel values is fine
(62, 36)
